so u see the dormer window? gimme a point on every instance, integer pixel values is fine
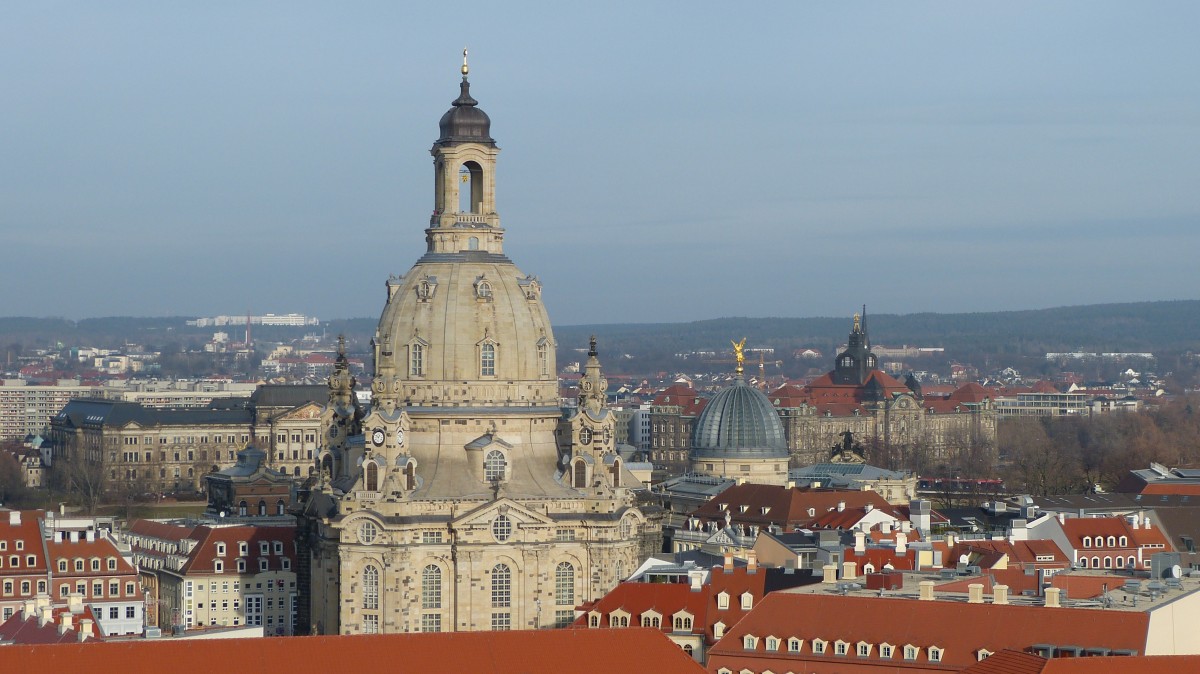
(982, 654)
(722, 600)
(840, 647)
(910, 652)
(812, 512)
(743, 508)
(487, 360)
(935, 654)
(795, 645)
(220, 549)
(818, 646)
(1124, 542)
(112, 563)
(1087, 541)
(1112, 541)
(863, 649)
(772, 644)
(886, 650)
(243, 548)
(718, 630)
(749, 642)
(593, 620)
(747, 601)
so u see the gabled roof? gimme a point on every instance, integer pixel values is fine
(509, 652)
(28, 531)
(788, 507)
(18, 630)
(1015, 662)
(161, 530)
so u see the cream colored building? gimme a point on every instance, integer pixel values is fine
(461, 499)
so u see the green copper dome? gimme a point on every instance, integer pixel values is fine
(739, 422)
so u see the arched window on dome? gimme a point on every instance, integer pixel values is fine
(487, 360)
(580, 478)
(410, 476)
(416, 359)
(495, 466)
(372, 481)
(543, 358)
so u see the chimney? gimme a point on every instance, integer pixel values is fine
(860, 543)
(14, 518)
(1134, 520)
(28, 609)
(901, 543)
(91, 535)
(85, 629)
(1146, 522)
(74, 536)
(696, 579)
(46, 615)
(75, 602)
(841, 507)
(791, 484)
(751, 562)
(868, 508)
(41, 601)
(728, 562)
(885, 527)
(975, 593)
(1062, 517)
(849, 570)
(1020, 530)
(926, 590)
(949, 538)
(65, 623)
(1000, 594)
(815, 484)
(829, 574)
(1052, 597)
(905, 526)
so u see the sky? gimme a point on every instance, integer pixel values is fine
(660, 161)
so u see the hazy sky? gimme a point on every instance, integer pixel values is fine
(676, 161)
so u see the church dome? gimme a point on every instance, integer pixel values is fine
(739, 422)
(465, 122)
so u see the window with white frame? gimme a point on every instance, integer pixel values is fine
(772, 644)
(494, 466)
(818, 646)
(886, 650)
(501, 586)
(416, 360)
(910, 652)
(431, 587)
(722, 600)
(564, 585)
(795, 645)
(487, 360)
(935, 654)
(370, 591)
(747, 601)
(749, 642)
(840, 647)
(863, 649)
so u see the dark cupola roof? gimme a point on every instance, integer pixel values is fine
(739, 422)
(465, 122)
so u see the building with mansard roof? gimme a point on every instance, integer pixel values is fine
(462, 498)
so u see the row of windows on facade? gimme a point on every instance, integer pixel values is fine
(862, 649)
(242, 566)
(31, 561)
(81, 587)
(271, 586)
(180, 440)
(681, 622)
(148, 457)
(1110, 562)
(264, 547)
(487, 359)
(1110, 542)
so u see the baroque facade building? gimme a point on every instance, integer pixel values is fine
(461, 499)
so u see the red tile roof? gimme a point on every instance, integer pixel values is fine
(790, 507)
(202, 558)
(18, 630)
(1014, 662)
(959, 628)
(1171, 488)
(516, 652)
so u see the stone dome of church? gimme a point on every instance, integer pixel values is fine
(739, 422)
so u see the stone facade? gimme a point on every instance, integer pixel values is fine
(461, 499)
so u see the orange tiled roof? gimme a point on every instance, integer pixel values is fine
(515, 652)
(1015, 662)
(203, 556)
(1171, 489)
(959, 628)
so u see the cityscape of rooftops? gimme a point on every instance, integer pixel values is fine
(787, 337)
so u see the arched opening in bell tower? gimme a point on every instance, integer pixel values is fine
(470, 188)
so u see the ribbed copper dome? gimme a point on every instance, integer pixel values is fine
(739, 421)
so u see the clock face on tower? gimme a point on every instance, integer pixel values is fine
(377, 437)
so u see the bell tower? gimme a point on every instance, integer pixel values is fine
(464, 159)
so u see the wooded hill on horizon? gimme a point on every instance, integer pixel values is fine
(1164, 327)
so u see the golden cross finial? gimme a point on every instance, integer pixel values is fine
(464, 68)
(738, 353)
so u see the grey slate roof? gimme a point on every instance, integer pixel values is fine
(288, 395)
(94, 412)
